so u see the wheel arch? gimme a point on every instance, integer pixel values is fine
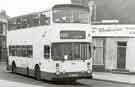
(36, 66)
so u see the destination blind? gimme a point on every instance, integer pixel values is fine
(72, 35)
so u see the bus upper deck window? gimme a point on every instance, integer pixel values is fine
(46, 52)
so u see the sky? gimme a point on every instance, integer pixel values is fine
(20, 7)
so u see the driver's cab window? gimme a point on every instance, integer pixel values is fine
(46, 52)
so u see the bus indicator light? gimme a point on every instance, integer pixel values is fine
(57, 69)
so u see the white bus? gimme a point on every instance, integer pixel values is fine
(52, 45)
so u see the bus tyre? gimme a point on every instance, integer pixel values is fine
(91, 77)
(27, 73)
(37, 73)
(13, 68)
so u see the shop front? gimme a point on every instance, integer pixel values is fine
(114, 48)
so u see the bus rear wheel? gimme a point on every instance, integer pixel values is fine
(13, 68)
(70, 81)
(37, 73)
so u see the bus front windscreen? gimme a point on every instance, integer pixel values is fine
(70, 14)
(72, 51)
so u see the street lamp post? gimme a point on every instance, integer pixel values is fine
(92, 6)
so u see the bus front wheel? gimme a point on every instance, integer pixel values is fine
(37, 73)
(27, 71)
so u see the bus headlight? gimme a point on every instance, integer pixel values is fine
(88, 65)
(57, 73)
(57, 69)
(89, 71)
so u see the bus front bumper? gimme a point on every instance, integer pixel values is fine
(70, 75)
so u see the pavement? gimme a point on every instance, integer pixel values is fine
(6, 83)
(115, 77)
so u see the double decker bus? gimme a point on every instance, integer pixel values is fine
(52, 45)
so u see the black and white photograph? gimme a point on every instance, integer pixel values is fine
(67, 43)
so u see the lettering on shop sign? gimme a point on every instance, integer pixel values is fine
(132, 32)
(109, 30)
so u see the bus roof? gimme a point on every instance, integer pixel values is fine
(69, 5)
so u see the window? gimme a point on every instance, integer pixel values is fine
(21, 51)
(45, 18)
(1, 28)
(122, 43)
(74, 51)
(30, 20)
(12, 51)
(70, 14)
(46, 52)
(29, 51)
(80, 2)
(4, 28)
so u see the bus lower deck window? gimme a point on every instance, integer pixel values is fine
(21, 51)
(46, 52)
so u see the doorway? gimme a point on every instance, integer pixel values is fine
(98, 57)
(121, 55)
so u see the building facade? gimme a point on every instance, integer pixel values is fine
(114, 47)
(3, 29)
